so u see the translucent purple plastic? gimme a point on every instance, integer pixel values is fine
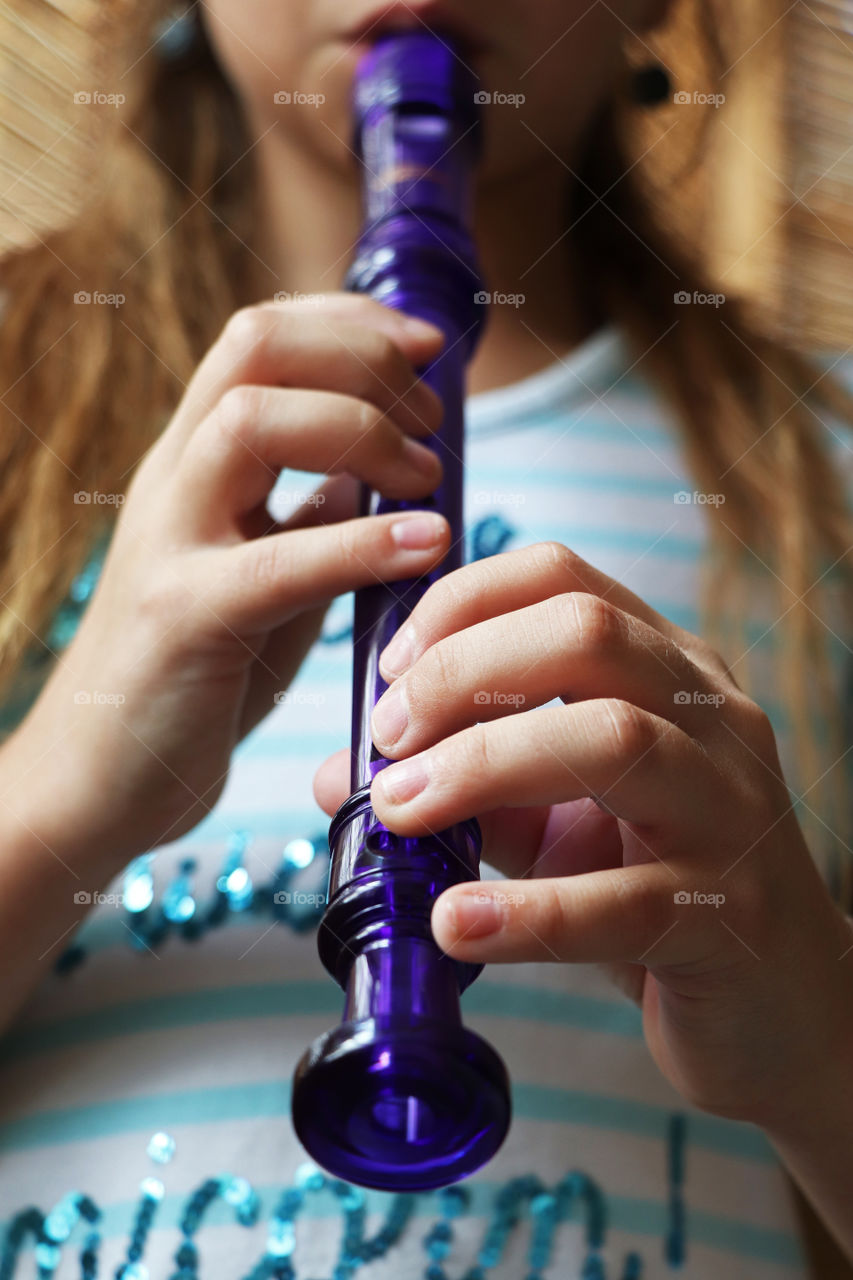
(401, 1096)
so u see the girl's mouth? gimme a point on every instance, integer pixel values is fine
(415, 17)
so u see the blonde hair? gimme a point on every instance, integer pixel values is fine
(88, 393)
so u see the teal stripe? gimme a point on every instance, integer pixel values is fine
(676, 547)
(163, 1013)
(568, 1106)
(560, 480)
(627, 1214)
(276, 825)
(270, 1099)
(603, 428)
(554, 1008)
(298, 999)
(645, 1217)
(146, 1114)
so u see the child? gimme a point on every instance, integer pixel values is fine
(621, 441)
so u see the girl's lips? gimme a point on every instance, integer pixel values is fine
(405, 17)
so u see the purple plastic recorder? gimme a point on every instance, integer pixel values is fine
(401, 1096)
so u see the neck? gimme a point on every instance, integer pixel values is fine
(312, 214)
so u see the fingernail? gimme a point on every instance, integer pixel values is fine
(418, 532)
(421, 329)
(396, 657)
(473, 915)
(390, 717)
(402, 782)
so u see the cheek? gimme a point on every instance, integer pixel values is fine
(546, 85)
(261, 47)
(290, 68)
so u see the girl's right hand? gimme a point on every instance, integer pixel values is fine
(201, 615)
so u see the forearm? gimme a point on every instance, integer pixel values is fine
(47, 860)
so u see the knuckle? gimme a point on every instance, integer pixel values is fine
(351, 549)
(598, 624)
(642, 906)
(239, 411)
(628, 731)
(381, 360)
(478, 756)
(435, 674)
(269, 567)
(559, 560)
(371, 425)
(444, 598)
(554, 923)
(707, 656)
(246, 331)
(754, 722)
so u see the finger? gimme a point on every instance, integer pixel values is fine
(537, 840)
(511, 837)
(261, 584)
(332, 781)
(513, 580)
(574, 646)
(627, 758)
(233, 461)
(622, 915)
(348, 343)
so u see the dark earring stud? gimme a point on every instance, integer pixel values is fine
(178, 37)
(650, 86)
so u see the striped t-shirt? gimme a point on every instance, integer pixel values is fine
(182, 1023)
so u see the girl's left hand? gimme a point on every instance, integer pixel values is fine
(644, 823)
